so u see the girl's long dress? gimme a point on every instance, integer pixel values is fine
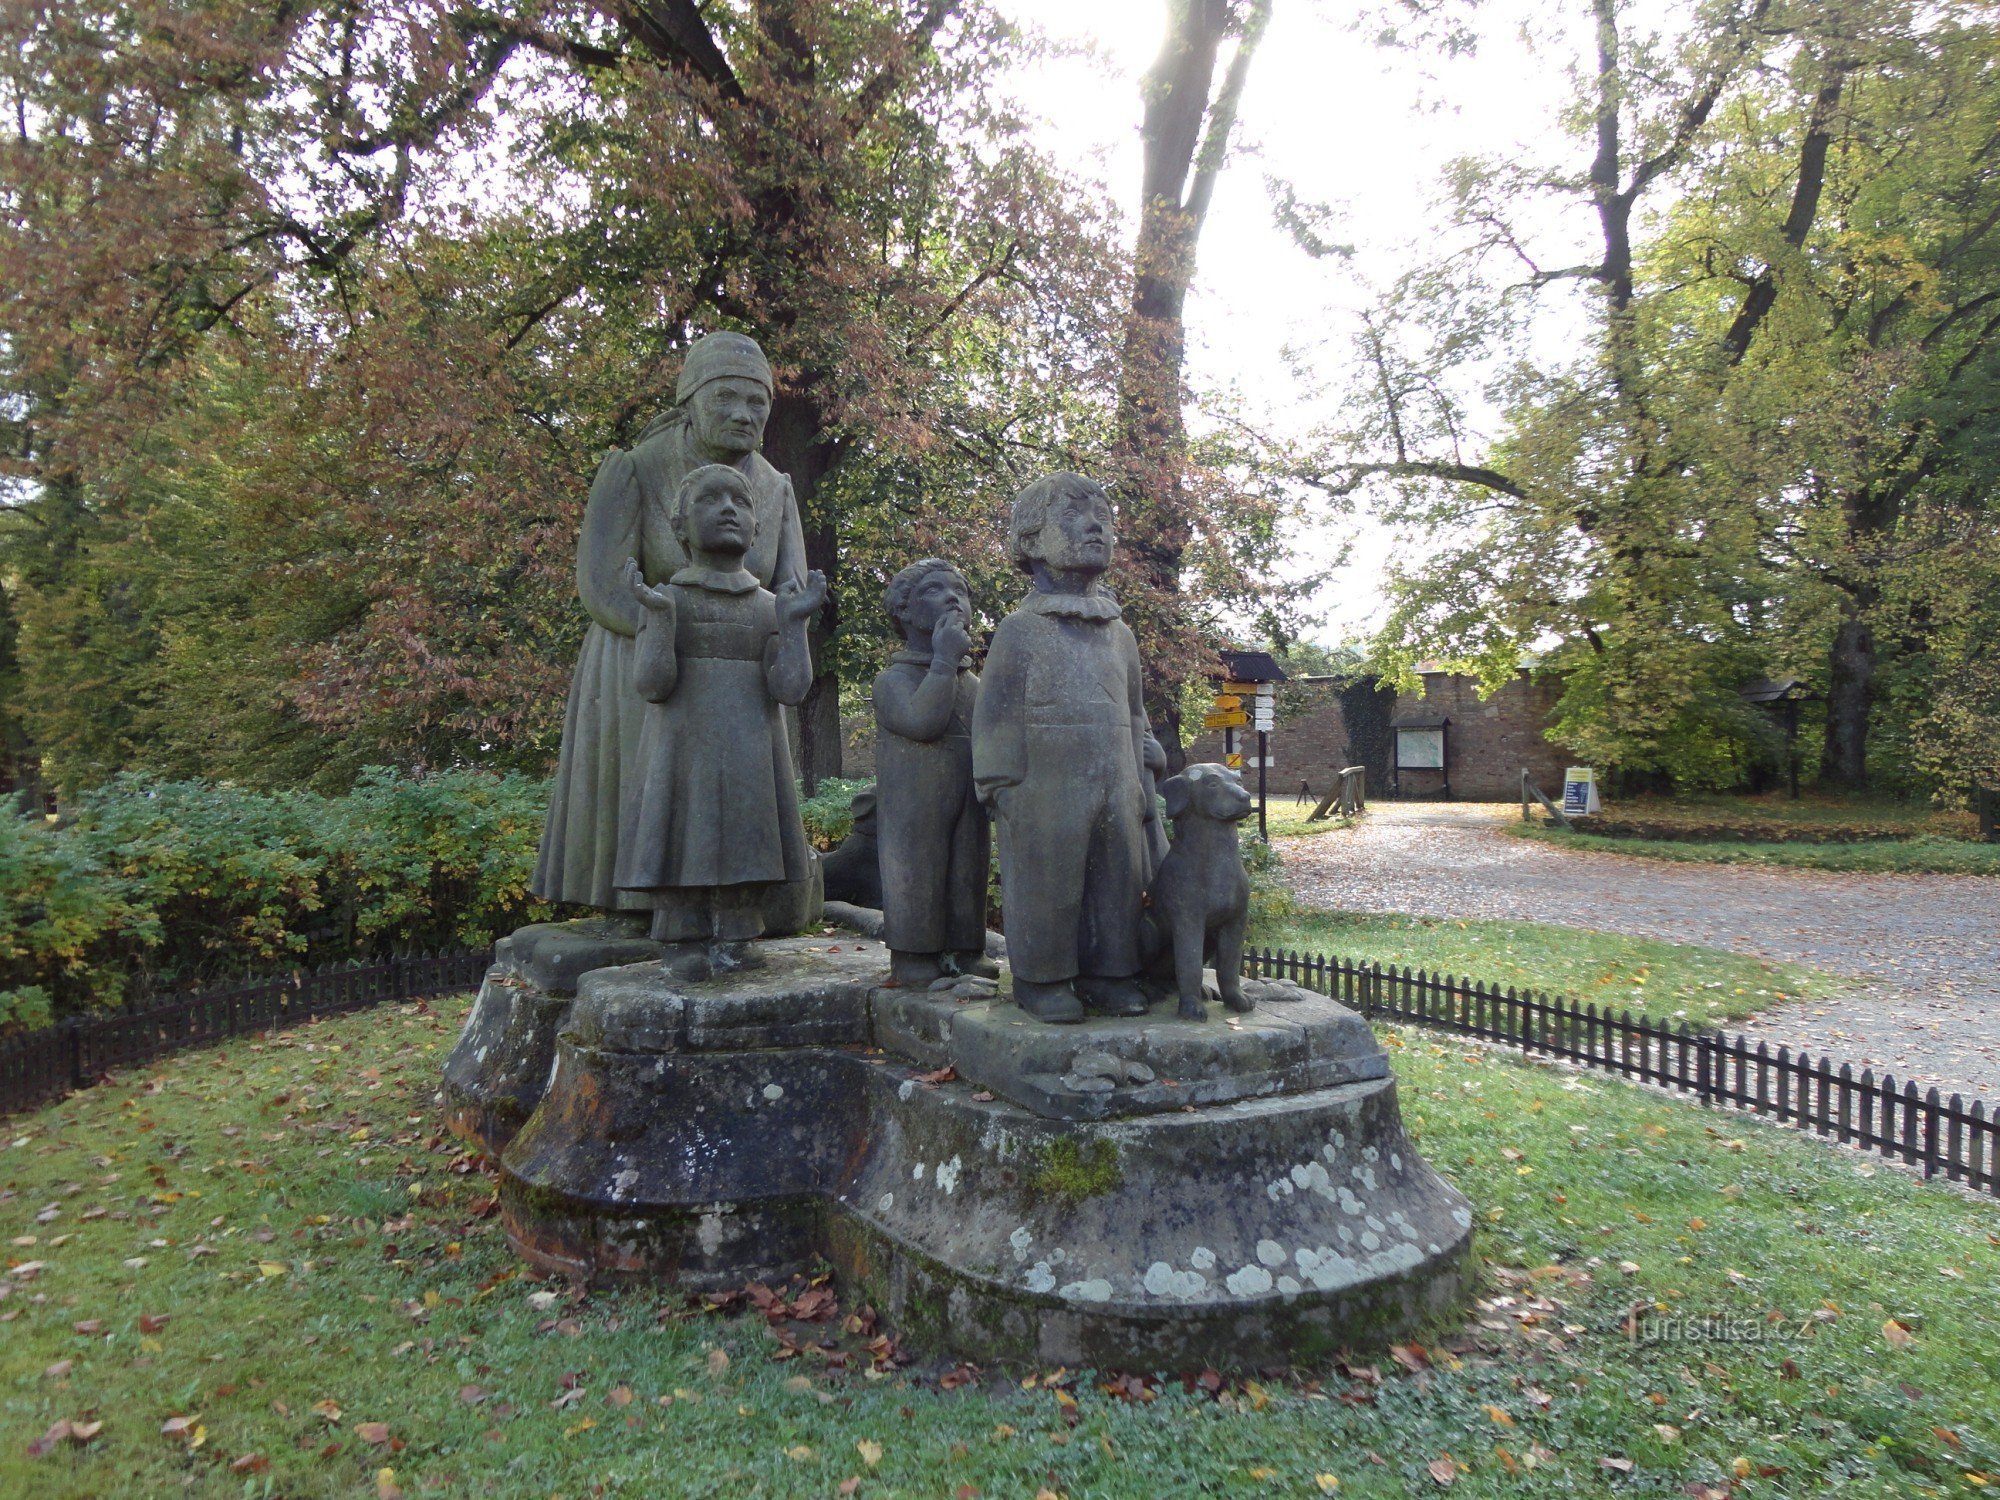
(627, 518)
(713, 802)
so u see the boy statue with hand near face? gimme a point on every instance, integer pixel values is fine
(930, 827)
(1062, 753)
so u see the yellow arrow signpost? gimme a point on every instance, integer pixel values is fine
(1231, 719)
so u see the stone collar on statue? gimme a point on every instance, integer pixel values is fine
(717, 580)
(1098, 604)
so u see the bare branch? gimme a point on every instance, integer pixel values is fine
(1222, 115)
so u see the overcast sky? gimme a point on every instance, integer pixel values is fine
(1346, 122)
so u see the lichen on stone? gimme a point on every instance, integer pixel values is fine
(1069, 1170)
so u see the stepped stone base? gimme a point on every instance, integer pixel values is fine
(1149, 1193)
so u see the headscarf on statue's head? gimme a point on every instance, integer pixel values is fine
(712, 357)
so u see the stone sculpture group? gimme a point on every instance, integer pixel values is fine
(1013, 1159)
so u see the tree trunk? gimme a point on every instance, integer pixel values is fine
(1186, 138)
(1850, 697)
(796, 443)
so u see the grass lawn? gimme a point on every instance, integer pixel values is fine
(1287, 819)
(1774, 815)
(1638, 974)
(269, 1252)
(1926, 853)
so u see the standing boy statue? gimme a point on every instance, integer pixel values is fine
(931, 829)
(711, 820)
(1062, 753)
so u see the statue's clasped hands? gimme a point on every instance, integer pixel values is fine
(801, 600)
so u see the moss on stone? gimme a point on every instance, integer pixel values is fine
(1069, 1170)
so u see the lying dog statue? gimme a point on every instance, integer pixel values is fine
(1200, 898)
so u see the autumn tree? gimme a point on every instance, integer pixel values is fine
(453, 249)
(1787, 289)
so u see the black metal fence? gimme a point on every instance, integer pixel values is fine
(1939, 1137)
(45, 1065)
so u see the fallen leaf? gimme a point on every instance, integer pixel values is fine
(250, 1463)
(1616, 1465)
(619, 1395)
(1667, 1432)
(849, 1485)
(386, 1487)
(59, 1369)
(799, 1454)
(870, 1451)
(83, 1432)
(1898, 1334)
(1499, 1415)
(178, 1426)
(153, 1322)
(472, 1395)
(372, 1432)
(49, 1441)
(1327, 1483)
(718, 1362)
(329, 1411)
(1443, 1470)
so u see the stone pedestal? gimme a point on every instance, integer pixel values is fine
(1147, 1193)
(495, 1075)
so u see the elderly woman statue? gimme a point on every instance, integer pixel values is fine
(722, 401)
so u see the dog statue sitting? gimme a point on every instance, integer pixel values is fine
(1200, 898)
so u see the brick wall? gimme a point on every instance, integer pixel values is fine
(1489, 741)
(1322, 727)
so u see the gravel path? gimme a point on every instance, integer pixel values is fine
(1926, 947)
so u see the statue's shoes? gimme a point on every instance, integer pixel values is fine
(914, 968)
(975, 965)
(1054, 1003)
(1112, 997)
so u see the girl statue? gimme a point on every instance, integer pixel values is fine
(722, 402)
(711, 817)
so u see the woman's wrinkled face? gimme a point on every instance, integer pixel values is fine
(729, 415)
(719, 519)
(941, 592)
(1077, 536)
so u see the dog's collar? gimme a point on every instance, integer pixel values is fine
(1095, 605)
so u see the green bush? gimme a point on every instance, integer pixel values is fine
(829, 812)
(435, 861)
(60, 914)
(158, 885)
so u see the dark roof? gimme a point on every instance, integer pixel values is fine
(1419, 721)
(1251, 666)
(1766, 690)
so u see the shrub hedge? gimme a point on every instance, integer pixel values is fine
(156, 885)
